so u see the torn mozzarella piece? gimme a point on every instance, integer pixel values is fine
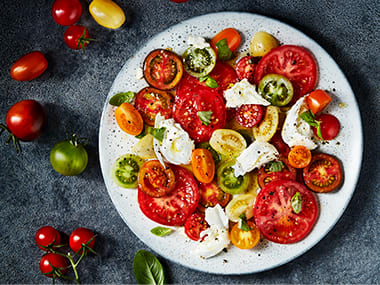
(197, 42)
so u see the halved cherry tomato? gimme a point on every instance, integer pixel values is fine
(203, 165)
(228, 142)
(240, 204)
(29, 66)
(277, 89)
(268, 125)
(245, 239)
(199, 62)
(265, 176)
(245, 68)
(249, 115)
(163, 69)
(211, 195)
(280, 145)
(318, 100)
(299, 156)
(227, 180)
(324, 173)
(129, 119)
(275, 217)
(194, 225)
(231, 35)
(155, 179)
(330, 127)
(151, 101)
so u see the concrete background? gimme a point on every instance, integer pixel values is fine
(73, 90)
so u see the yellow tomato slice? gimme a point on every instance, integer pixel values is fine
(107, 13)
(228, 142)
(245, 239)
(268, 126)
(253, 184)
(239, 205)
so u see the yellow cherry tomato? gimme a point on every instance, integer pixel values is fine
(262, 43)
(107, 13)
(245, 239)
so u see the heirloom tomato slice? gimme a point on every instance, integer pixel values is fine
(211, 195)
(245, 68)
(194, 225)
(265, 175)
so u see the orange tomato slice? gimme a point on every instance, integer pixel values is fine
(299, 157)
(318, 100)
(129, 119)
(245, 239)
(231, 35)
(203, 165)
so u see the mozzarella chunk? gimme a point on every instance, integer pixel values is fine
(243, 93)
(197, 42)
(216, 216)
(176, 146)
(255, 156)
(295, 130)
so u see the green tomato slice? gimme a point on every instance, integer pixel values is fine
(199, 62)
(125, 170)
(228, 182)
(277, 89)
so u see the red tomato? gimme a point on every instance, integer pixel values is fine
(201, 99)
(293, 62)
(56, 260)
(66, 12)
(29, 66)
(318, 100)
(280, 145)
(129, 119)
(211, 195)
(245, 68)
(250, 115)
(330, 127)
(172, 209)
(275, 217)
(265, 176)
(47, 236)
(194, 225)
(231, 35)
(151, 101)
(324, 173)
(77, 37)
(81, 236)
(26, 120)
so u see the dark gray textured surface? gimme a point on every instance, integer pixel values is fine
(73, 91)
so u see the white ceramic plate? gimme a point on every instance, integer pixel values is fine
(347, 146)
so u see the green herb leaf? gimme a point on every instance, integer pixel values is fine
(205, 117)
(148, 269)
(275, 166)
(296, 202)
(203, 78)
(157, 133)
(224, 52)
(243, 224)
(122, 97)
(161, 231)
(309, 118)
(210, 82)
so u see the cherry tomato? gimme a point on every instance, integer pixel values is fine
(318, 100)
(245, 239)
(211, 195)
(324, 174)
(330, 127)
(163, 69)
(299, 156)
(79, 237)
(129, 119)
(194, 225)
(29, 66)
(245, 68)
(261, 43)
(26, 120)
(266, 176)
(66, 12)
(107, 13)
(77, 37)
(249, 116)
(275, 216)
(156, 180)
(47, 236)
(56, 260)
(203, 165)
(125, 170)
(231, 35)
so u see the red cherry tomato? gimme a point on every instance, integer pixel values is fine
(81, 236)
(66, 12)
(245, 68)
(210, 194)
(77, 37)
(29, 66)
(231, 35)
(54, 259)
(25, 120)
(250, 115)
(47, 236)
(194, 225)
(330, 127)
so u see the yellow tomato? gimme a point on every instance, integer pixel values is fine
(245, 239)
(107, 13)
(262, 43)
(268, 126)
(227, 142)
(240, 204)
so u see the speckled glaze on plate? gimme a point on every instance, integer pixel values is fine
(348, 146)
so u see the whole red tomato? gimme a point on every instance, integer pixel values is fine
(330, 126)
(77, 37)
(81, 236)
(29, 66)
(26, 119)
(47, 236)
(55, 260)
(66, 12)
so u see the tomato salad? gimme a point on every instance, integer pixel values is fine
(227, 144)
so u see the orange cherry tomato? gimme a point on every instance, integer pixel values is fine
(129, 119)
(299, 157)
(245, 239)
(29, 66)
(231, 35)
(203, 165)
(318, 100)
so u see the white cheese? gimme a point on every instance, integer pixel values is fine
(197, 42)
(295, 130)
(243, 93)
(216, 216)
(255, 156)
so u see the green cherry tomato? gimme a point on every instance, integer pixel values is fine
(277, 89)
(69, 157)
(125, 170)
(228, 182)
(199, 62)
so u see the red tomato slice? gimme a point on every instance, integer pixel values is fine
(211, 195)
(194, 225)
(245, 68)
(249, 115)
(174, 208)
(275, 217)
(186, 108)
(265, 176)
(293, 62)
(280, 145)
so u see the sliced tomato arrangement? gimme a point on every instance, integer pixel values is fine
(266, 176)
(194, 225)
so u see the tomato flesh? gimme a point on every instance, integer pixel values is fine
(299, 156)
(231, 35)
(280, 145)
(318, 100)
(250, 115)
(265, 176)
(129, 119)
(245, 239)
(211, 195)
(245, 68)
(194, 225)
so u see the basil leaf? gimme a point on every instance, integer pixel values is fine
(157, 133)
(276, 166)
(147, 268)
(122, 97)
(296, 202)
(224, 52)
(210, 82)
(243, 225)
(161, 231)
(205, 117)
(309, 118)
(203, 78)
